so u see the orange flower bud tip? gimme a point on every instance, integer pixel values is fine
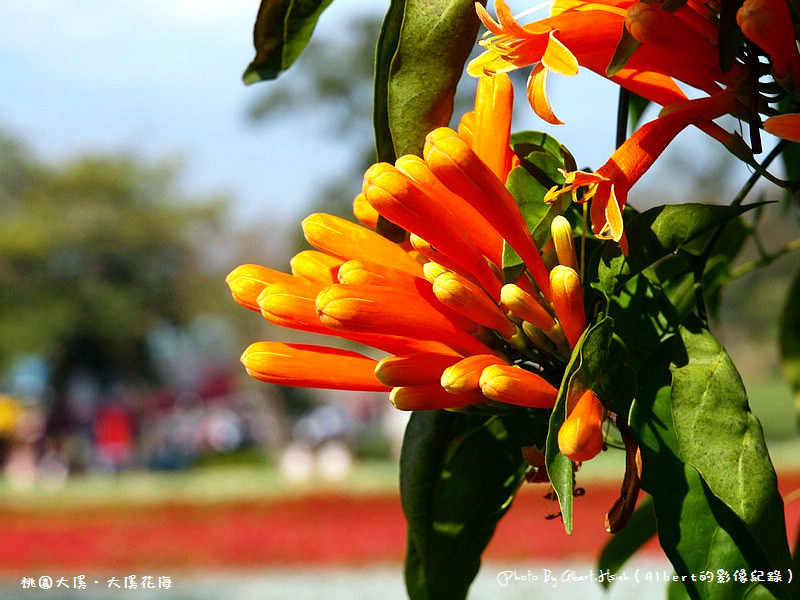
(567, 295)
(580, 437)
(247, 281)
(514, 385)
(413, 369)
(432, 270)
(564, 242)
(364, 212)
(431, 397)
(525, 306)
(471, 301)
(465, 374)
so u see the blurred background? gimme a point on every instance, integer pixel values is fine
(136, 170)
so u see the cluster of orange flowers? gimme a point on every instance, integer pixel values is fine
(456, 335)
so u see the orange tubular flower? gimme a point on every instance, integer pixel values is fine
(311, 366)
(247, 282)
(581, 435)
(568, 302)
(414, 369)
(785, 126)
(608, 187)
(316, 266)
(465, 375)
(397, 198)
(374, 309)
(335, 236)
(587, 33)
(431, 396)
(514, 385)
(457, 167)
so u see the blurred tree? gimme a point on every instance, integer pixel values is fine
(93, 253)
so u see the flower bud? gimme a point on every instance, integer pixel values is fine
(364, 212)
(469, 300)
(246, 282)
(413, 369)
(465, 374)
(564, 242)
(581, 435)
(339, 237)
(568, 302)
(514, 385)
(311, 366)
(316, 266)
(525, 306)
(431, 396)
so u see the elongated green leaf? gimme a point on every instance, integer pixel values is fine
(432, 45)
(697, 531)
(640, 529)
(723, 440)
(626, 46)
(459, 474)
(790, 340)
(589, 358)
(657, 232)
(281, 32)
(385, 50)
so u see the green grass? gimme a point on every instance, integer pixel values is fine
(222, 483)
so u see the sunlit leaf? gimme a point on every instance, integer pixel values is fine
(698, 532)
(626, 46)
(458, 476)
(657, 232)
(723, 440)
(430, 49)
(281, 32)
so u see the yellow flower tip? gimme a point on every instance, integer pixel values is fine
(431, 397)
(514, 385)
(466, 126)
(580, 437)
(432, 270)
(537, 337)
(315, 266)
(288, 364)
(246, 282)
(469, 300)
(564, 242)
(525, 306)
(362, 210)
(465, 374)
(568, 302)
(413, 369)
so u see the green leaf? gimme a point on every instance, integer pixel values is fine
(790, 340)
(281, 32)
(626, 46)
(430, 48)
(723, 440)
(584, 370)
(697, 531)
(639, 530)
(458, 476)
(657, 232)
(388, 39)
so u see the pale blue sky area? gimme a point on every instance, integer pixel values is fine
(163, 80)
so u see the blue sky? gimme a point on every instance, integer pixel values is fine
(163, 80)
